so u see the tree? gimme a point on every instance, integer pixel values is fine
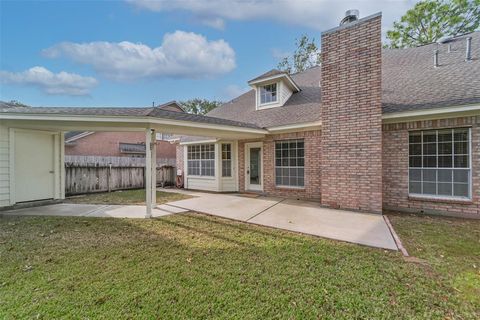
(305, 56)
(200, 106)
(430, 20)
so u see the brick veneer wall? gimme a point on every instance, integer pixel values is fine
(312, 165)
(395, 169)
(351, 116)
(107, 144)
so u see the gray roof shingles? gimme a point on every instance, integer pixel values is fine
(268, 74)
(409, 81)
(145, 112)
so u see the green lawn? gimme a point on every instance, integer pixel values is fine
(194, 266)
(125, 197)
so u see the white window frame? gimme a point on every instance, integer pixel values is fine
(289, 167)
(469, 168)
(277, 92)
(230, 160)
(200, 159)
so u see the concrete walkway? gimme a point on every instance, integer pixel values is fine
(300, 216)
(91, 210)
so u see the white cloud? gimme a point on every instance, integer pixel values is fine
(62, 83)
(181, 55)
(317, 14)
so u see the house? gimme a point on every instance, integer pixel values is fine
(371, 129)
(120, 144)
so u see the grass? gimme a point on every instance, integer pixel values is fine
(193, 266)
(450, 246)
(125, 197)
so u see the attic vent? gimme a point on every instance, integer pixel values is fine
(350, 16)
(468, 53)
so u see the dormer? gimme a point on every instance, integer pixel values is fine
(273, 89)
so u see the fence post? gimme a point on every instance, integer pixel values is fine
(109, 176)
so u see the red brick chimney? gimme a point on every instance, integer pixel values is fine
(351, 84)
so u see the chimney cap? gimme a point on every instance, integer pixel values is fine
(350, 16)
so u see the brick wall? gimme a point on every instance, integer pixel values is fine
(107, 144)
(351, 116)
(395, 169)
(312, 165)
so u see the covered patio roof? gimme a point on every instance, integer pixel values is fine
(148, 120)
(127, 119)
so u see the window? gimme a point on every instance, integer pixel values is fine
(268, 93)
(132, 149)
(289, 163)
(164, 136)
(201, 160)
(439, 163)
(226, 160)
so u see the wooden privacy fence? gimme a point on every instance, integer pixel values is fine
(88, 174)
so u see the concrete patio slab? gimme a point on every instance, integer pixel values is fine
(227, 206)
(299, 216)
(310, 218)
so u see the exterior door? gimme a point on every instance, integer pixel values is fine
(254, 166)
(34, 165)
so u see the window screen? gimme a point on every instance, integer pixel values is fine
(226, 160)
(268, 93)
(439, 163)
(201, 160)
(290, 163)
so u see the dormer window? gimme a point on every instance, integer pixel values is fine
(268, 93)
(273, 89)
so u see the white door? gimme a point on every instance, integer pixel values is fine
(34, 165)
(254, 166)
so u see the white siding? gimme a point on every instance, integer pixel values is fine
(201, 183)
(216, 183)
(4, 166)
(229, 185)
(6, 189)
(285, 93)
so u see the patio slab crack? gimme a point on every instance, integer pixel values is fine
(256, 215)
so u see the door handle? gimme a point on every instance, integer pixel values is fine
(51, 171)
(248, 171)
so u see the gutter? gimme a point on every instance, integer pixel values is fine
(295, 127)
(143, 121)
(199, 142)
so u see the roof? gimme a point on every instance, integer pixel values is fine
(268, 74)
(409, 82)
(171, 106)
(153, 112)
(303, 106)
(12, 104)
(71, 134)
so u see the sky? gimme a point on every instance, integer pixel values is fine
(137, 52)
